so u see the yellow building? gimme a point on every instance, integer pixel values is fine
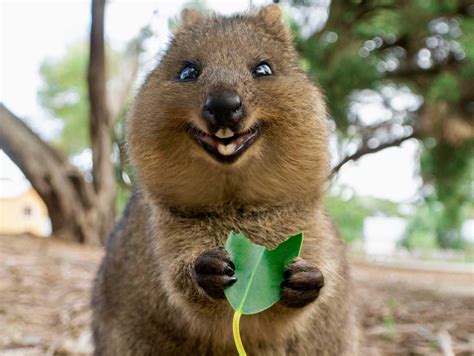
(24, 213)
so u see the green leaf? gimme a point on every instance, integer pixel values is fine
(259, 272)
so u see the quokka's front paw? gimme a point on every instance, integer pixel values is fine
(214, 271)
(302, 284)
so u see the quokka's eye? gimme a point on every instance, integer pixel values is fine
(263, 69)
(190, 71)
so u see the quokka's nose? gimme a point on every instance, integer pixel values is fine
(223, 109)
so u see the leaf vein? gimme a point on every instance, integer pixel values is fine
(247, 289)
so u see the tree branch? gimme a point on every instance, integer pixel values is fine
(365, 150)
(62, 187)
(120, 86)
(100, 121)
(100, 124)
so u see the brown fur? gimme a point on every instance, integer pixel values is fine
(146, 300)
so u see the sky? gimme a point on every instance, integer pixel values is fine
(31, 31)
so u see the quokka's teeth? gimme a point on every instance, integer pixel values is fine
(224, 133)
(226, 150)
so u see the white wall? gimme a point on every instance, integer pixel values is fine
(467, 230)
(381, 234)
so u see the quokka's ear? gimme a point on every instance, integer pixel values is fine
(189, 17)
(270, 14)
(272, 18)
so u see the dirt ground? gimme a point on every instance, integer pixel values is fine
(45, 286)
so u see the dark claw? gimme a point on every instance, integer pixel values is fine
(229, 270)
(302, 284)
(214, 271)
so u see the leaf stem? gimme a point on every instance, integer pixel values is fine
(236, 331)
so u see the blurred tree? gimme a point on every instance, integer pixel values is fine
(81, 206)
(413, 61)
(64, 94)
(349, 217)
(349, 213)
(79, 210)
(421, 231)
(410, 62)
(450, 170)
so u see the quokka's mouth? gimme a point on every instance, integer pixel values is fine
(225, 145)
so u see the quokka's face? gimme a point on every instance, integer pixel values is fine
(227, 95)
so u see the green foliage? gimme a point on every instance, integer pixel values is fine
(64, 95)
(467, 40)
(389, 320)
(430, 45)
(339, 71)
(383, 23)
(421, 230)
(349, 215)
(445, 87)
(122, 197)
(452, 187)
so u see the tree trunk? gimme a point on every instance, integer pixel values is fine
(68, 197)
(100, 125)
(79, 211)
